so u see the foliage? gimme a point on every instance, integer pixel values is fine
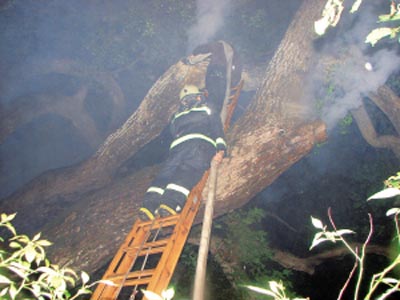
(246, 252)
(167, 294)
(345, 123)
(276, 290)
(380, 279)
(383, 280)
(334, 8)
(393, 181)
(25, 271)
(248, 245)
(275, 278)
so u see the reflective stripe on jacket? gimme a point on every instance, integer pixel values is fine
(201, 123)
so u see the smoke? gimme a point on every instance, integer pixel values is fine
(357, 68)
(210, 18)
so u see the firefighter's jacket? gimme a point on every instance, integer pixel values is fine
(199, 126)
(197, 135)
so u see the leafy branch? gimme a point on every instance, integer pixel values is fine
(382, 279)
(25, 270)
(333, 10)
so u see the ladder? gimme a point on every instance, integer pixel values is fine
(148, 256)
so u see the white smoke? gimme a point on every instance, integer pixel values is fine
(210, 18)
(356, 81)
(361, 69)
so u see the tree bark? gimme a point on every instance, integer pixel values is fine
(91, 208)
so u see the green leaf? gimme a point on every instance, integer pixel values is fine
(11, 228)
(7, 218)
(30, 254)
(18, 269)
(44, 243)
(15, 245)
(151, 295)
(343, 231)
(107, 282)
(386, 193)
(386, 18)
(260, 290)
(168, 294)
(36, 237)
(85, 277)
(318, 241)
(375, 35)
(393, 211)
(389, 280)
(275, 287)
(321, 25)
(4, 279)
(3, 292)
(356, 6)
(46, 271)
(317, 223)
(12, 292)
(70, 280)
(36, 289)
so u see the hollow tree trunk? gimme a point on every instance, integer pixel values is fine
(69, 107)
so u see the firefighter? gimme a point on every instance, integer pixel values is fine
(198, 136)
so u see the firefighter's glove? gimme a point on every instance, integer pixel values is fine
(221, 147)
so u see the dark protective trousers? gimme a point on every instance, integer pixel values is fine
(216, 85)
(184, 167)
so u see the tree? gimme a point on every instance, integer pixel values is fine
(384, 98)
(86, 209)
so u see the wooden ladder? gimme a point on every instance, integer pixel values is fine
(149, 254)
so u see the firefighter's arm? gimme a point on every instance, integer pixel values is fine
(217, 132)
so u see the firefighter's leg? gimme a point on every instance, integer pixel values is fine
(151, 201)
(178, 189)
(153, 196)
(216, 85)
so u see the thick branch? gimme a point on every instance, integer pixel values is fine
(389, 103)
(369, 133)
(308, 264)
(287, 260)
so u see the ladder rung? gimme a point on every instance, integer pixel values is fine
(151, 251)
(132, 276)
(147, 246)
(163, 222)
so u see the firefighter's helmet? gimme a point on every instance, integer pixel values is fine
(189, 89)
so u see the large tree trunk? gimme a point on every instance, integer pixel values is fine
(92, 208)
